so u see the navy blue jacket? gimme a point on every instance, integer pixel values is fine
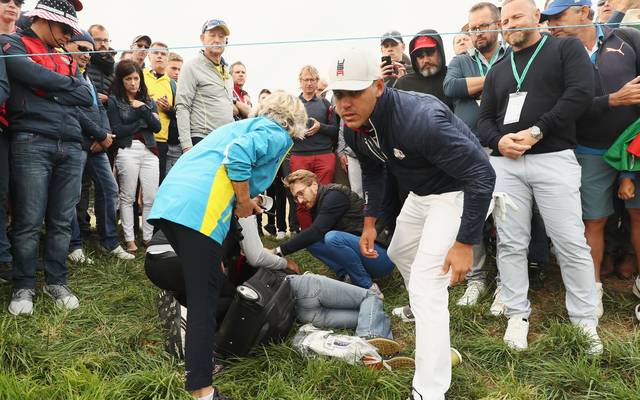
(93, 120)
(428, 150)
(42, 101)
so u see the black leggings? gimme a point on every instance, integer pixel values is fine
(199, 286)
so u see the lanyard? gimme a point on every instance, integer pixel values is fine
(493, 60)
(520, 78)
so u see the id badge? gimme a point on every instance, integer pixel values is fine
(514, 107)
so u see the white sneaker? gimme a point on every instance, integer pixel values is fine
(22, 302)
(78, 256)
(472, 294)
(516, 334)
(63, 296)
(591, 333)
(376, 290)
(404, 313)
(280, 235)
(122, 254)
(636, 287)
(497, 307)
(599, 307)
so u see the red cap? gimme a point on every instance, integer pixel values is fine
(424, 42)
(77, 5)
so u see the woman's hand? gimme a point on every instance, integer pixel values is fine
(247, 208)
(137, 104)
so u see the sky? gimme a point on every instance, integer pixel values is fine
(275, 66)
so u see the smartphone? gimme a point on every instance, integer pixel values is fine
(387, 61)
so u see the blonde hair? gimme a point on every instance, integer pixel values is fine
(311, 70)
(301, 175)
(175, 57)
(286, 110)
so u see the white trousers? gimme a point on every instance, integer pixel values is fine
(137, 163)
(425, 231)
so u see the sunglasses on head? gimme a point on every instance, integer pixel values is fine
(18, 3)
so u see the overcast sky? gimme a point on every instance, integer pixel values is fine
(178, 23)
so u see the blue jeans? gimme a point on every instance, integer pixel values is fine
(46, 179)
(341, 252)
(106, 194)
(5, 246)
(328, 303)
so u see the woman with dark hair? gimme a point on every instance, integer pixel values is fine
(134, 119)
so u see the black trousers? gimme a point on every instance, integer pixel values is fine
(163, 147)
(201, 258)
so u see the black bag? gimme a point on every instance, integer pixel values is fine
(261, 312)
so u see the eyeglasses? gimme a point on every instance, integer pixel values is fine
(309, 80)
(425, 52)
(18, 3)
(482, 27)
(105, 41)
(66, 29)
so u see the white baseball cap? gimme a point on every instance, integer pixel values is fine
(353, 70)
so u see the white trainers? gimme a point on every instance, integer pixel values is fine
(516, 334)
(63, 296)
(599, 307)
(591, 333)
(375, 289)
(122, 254)
(472, 294)
(280, 235)
(497, 307)
(78, 256)
(404, 313)
(636, 287)
(22, 302)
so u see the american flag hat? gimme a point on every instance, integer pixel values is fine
(61, 11)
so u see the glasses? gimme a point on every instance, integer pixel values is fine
(85, 49)
(140, 46)
(105, 41)
(425, 52)
(482, 27)
(66, 29)
(18, 3)
(309, 80)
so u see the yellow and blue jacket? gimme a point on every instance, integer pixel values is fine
(198, 193)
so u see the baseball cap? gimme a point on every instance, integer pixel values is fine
(138, 38)
(558, 6)
(391, 35)
(424, 42)
(61, 11)
(215, 23)
(353, 70)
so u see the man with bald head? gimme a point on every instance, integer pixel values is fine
(530, 103)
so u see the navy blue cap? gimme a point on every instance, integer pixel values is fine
(558, 6)
(82, 36)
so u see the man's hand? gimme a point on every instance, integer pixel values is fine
(344, 162)
(510, 147)
(395, 69)
(314, 128)
(95, 147)
(103, 98)
(292, 266)
(524, 138)
(247, 208)
(107, 142)
(628, 95)
(399, 69)
(627, 189)
(459, 260)
(163, 104)
(367, 242)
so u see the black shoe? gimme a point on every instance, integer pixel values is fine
(6, 270)
(271, 229)
(173, 322)
(536, 276)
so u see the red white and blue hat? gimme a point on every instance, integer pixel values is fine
(62, 11)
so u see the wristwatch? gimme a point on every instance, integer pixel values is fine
(536, 133)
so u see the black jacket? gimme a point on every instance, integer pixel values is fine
(428, 150)
(617, 63)
(94, 121)
(432, 85)
(101, 71)
(126, 121)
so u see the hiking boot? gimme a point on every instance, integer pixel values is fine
(63, 296)
(22, 302)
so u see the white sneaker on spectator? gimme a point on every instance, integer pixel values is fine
(280, 235)
(376, 290)
(78, 256)
(404, 313)
(121, 254)
(516, 334)
(472, 294)
(636, 287)
(63, 296)
(497, 307)
(22, 302)
(599, 307)
(591, 333)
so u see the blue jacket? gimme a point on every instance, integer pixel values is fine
(198, 193)
(428, 150)
(93, 120)
(42, 101)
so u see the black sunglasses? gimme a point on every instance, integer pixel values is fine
(66, 29)
(18, 3)
(85, 49)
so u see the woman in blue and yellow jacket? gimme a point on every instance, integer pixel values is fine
(195, 204)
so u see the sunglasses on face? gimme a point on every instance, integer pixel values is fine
(67, 30)
(85, 49)
(425, 52)
(141, 46)
(18, 3)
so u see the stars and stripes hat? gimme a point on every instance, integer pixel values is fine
(61, 11)
(353, 70)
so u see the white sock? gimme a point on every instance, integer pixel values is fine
(208, 397)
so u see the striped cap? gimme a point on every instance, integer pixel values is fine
(61, 11)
